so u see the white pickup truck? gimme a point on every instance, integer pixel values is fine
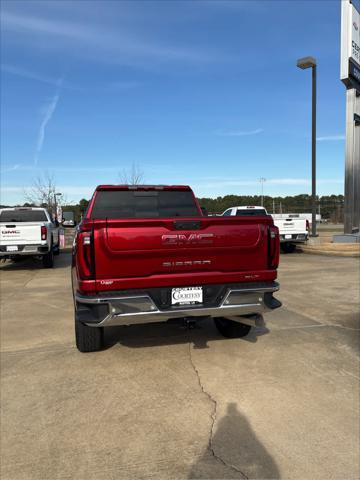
(28, 232)
(292, 228)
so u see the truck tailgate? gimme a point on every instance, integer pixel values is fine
(20, 233)
(291, 225)
(180, 252)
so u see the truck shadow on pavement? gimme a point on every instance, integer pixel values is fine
(235, 452)
(171, 333)
(61, 261)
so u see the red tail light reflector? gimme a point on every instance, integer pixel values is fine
(274, 247)
(43, 233)
(85, 255)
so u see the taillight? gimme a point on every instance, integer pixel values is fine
(85, 255)
(43, 233)
(307, 225)
(274, 247)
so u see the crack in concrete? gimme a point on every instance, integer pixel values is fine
(213, 418)
(317, 324)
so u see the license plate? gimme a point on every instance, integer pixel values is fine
(12, 248)
(186, 295)
(288, 236)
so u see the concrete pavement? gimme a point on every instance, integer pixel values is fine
(162, 402)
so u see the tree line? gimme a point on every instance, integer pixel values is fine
(329, 206)
(44, 193)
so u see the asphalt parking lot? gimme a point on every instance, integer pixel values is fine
(166, 403)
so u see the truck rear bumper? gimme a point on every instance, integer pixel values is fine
(295, 238)
(102, 311)
(38, 249)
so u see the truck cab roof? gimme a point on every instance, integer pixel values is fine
(250, 207)
(22, 208)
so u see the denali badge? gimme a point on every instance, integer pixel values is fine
(191, 239)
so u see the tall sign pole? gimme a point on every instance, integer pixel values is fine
(304, 63)
(313, 155)
(350, 76)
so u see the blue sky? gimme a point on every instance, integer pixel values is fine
(204, 93)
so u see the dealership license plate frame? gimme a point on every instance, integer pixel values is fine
(186, 296)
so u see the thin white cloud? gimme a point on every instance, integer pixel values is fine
(238, 133)
(75, 190)
(330, 138)
(91, 41)
(24, 73)
(46, 119)
(10, 168)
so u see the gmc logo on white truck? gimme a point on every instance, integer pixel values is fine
(191, 239)
(10, 232)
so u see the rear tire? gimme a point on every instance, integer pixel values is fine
(288, 247)
(230, 329)
(48, 259)
(88, 339)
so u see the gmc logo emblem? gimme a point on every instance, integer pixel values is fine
(191, 239)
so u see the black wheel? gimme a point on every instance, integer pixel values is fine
(230, 329)
(288, 247)
(48, 259)
(88, 339)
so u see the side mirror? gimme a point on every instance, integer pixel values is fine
(56, 223)
(204, 211)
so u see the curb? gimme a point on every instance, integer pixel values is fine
(340, 250)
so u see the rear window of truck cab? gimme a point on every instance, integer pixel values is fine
(18, 216)
(250, 211)
(143, 204)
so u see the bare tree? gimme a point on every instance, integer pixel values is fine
(133, 176)
(43, 192)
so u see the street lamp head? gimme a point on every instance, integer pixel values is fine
(58, 194)
(306, 62)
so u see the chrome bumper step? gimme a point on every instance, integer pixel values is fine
(140, 309)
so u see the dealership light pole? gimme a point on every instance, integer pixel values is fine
(56, 195)
(303, 63)
(262, 180)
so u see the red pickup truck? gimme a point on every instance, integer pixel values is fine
(147, 254)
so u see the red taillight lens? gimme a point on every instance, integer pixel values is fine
(85, 255)
(274, 247)
(43, 233)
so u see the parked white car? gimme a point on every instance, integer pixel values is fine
(292, 229)
(28, 232)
